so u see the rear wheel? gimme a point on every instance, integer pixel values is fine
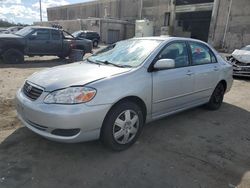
(216, 98)
(13, 56)
(95, 43)
(122, 126)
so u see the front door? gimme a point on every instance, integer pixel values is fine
(39, 42)
(172, 88)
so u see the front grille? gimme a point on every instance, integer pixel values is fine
(245, 68)
(31, 91)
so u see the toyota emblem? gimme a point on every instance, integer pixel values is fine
(29, 88)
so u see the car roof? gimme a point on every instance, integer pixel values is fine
(88, 31)
(43, 27)
(168, 38)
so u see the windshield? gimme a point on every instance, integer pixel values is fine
(25, 31)
(130, 53)
(67, 35)
(247, 48)
(75, 34)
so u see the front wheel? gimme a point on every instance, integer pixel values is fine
(122, 126)
(13, 56)
(217, 97)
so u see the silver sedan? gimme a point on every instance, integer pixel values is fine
(113, 93)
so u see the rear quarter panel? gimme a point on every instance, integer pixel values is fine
(226, 72)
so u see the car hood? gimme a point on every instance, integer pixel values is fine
(242, 56)
(9, 36)
(83, 41)
(79, 73)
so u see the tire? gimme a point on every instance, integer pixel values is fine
(122, 126)
(13, 56)
(95, 43)
(217, 97)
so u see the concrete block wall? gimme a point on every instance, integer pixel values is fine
(102, 26)
(126, 30)
(119, 9)
(238, 29)
(155, 11)
(68, 25)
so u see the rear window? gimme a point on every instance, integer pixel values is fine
(201, 54)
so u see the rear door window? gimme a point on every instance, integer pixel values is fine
(83, 35)
(89, 35)
(201, 54)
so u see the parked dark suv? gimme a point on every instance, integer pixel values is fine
(91, 35)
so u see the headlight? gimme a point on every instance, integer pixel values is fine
(71, 95)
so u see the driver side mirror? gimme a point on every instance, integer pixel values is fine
(164, 64)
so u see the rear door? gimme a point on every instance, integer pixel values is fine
(39, 42)
(206, 70)
(172, 88)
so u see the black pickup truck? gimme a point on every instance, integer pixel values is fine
(36, 40)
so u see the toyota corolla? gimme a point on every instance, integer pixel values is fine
(112, 94)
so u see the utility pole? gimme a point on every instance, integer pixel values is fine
(172, 17)
(227, 23)
(41, 17)
(141, 8)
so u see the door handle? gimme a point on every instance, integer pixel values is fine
(189, 73)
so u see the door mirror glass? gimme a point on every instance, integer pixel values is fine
(164, 64)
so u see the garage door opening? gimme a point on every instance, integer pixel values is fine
(196, 24)
(113, 36)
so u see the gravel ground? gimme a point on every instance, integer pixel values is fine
(196, 148)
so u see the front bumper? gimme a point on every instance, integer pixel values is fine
(241, 71)
(238, 68)
(44, 119)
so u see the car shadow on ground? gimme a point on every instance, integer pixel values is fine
(241, 78)
(196, 148)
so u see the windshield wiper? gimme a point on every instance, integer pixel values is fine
(116, 65)
(93, 61)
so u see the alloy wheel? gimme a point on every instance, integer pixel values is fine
(126, 127)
